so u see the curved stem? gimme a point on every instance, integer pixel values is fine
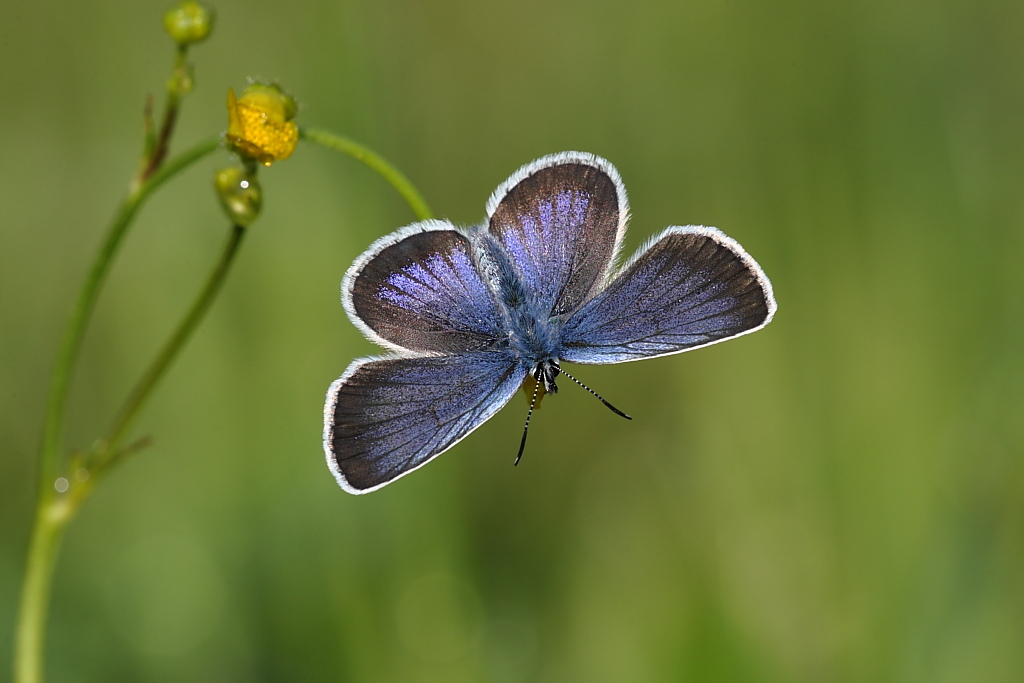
(107, 451)
(53, 512)
(376, 162)
(80, 314)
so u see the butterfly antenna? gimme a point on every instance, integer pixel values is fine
(599, 397)
(526, 427)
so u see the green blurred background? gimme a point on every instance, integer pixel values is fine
(839, 497)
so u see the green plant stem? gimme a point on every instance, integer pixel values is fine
(391, 174)
(80, 314)
(161, 144)
(53, 512)
(47, 533)
(107, 451)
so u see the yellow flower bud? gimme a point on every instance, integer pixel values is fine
(260, 123)
(239, 193)
(188, 22)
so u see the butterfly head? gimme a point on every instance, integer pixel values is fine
(545, 373)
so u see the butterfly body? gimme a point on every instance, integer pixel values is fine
(532, 334)
(468, 315)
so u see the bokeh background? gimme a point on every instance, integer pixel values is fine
(839, 497)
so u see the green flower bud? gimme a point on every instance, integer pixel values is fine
(239, 193)
(188, 22)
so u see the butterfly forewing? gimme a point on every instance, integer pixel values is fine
(691, 287)
(560, 221)
(419, 289)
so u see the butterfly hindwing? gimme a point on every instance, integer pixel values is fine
(690, 287)
(386, 417)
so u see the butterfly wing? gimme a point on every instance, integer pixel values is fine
(689, 287)
(560, 220)
(418, 289)
(387, 417)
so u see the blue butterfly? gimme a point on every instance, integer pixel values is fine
(469, 315)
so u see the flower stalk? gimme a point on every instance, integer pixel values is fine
(107, 451)
(376, 162)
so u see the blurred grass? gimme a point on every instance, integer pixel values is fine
(837, 498)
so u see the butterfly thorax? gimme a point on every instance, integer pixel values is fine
(532, 334)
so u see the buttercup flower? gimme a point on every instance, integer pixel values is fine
(261, 125)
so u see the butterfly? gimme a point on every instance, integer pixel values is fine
(468, 316)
